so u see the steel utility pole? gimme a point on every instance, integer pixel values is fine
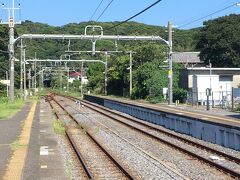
(68, 79)
(130, 69)
(82, 80)
(24, 75)
(29, 79)
(170, 74)
(11, 59)
(7, 82)
(35, 75)
(105, 73)
(21, 67)
(11, 22)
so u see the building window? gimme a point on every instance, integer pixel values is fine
(225, 77)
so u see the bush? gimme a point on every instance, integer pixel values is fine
(179, 94)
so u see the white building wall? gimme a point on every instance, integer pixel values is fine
(236, 81)
(202, 82)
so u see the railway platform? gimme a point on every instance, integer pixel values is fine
(215, 126)
(29, 147)
(215, 111)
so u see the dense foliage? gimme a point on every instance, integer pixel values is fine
(220, 41)
(3, 57)
(149, 75)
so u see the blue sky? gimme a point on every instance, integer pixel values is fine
(61, 12)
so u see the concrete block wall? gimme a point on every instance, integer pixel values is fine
(223, 135)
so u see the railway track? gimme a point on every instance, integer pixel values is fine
(96, 161)
(164, 170)
(229, 164)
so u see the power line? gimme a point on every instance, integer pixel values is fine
(105, 10)
(135, 15)
(196, 20)
(96, 10)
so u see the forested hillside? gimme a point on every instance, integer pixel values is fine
(184, 40)
(218, 40)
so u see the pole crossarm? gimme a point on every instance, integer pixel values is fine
(64, 60)
(91, 37)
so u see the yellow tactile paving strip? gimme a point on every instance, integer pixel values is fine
(16, 164)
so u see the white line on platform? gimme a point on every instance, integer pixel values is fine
(43, 166)
(44, 150)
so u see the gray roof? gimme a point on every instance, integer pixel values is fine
(186, 57)
(213, 69)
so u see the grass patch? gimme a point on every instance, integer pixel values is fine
(15, 145)
(58, 127)
(8, 109)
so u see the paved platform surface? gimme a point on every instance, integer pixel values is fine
(212, 111)
(9, 131)
(198, 109)
(43, 160)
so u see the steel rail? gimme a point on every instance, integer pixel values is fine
(128, 175)
(230, 157)
(73, 144)
(216, 165)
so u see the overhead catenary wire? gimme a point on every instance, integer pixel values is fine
(91, 18)
(147, 8)
(198, 19)
(105, 10)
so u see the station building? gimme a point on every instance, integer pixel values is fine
(196, 78)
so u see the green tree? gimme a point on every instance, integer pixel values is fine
(96, 78)
(118, 81)
(220, 41)
(149, 76)
(4, 62)
(146, 62)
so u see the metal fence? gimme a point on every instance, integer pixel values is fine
(223, 99)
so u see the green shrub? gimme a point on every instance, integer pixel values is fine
(179, 94)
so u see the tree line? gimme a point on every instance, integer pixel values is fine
(217, 40)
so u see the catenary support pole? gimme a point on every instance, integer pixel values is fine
(21, 69)
(29, 79)
(105, 74)
(82, 80)
(170, 74)
(67, 79)
(130, 90)
(7, 83)
(35, 76)
(11, 59)
(24, 76)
